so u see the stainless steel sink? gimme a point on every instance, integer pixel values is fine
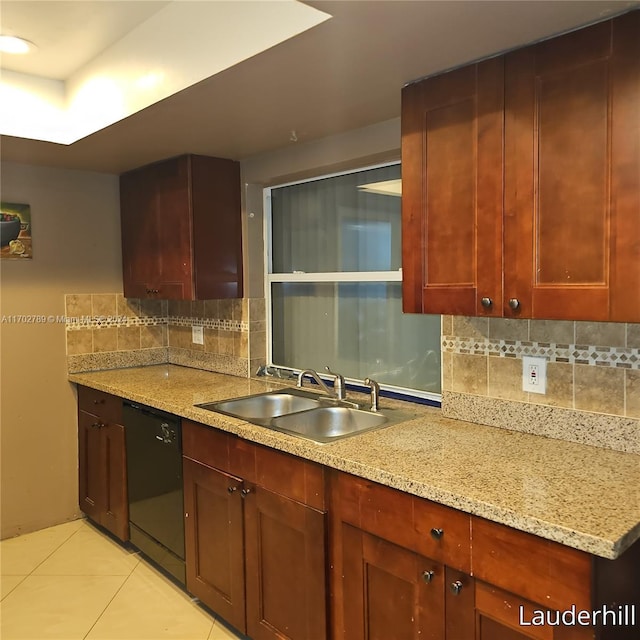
(328, 423)
(305, 414)
(263, 406)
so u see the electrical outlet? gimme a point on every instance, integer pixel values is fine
(197, 334)
(534, 374)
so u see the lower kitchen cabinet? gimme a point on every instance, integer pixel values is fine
(255, 535)
(285, 567)
(214, 533)
(389, 592)
(408, 569)
(390, 576)
(102, 461)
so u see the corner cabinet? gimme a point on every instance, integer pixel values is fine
(102, 461)
(182, 229)
(521, 182)
(255, 533)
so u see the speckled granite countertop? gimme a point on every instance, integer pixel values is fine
(578, 495)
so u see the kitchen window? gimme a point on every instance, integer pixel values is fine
(334, 283)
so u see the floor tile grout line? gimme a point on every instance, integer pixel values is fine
(110, 601)
(6, 595)
(57, 548)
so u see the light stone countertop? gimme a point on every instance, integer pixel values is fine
(581, 496)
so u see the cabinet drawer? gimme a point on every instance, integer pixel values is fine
(280, 472)
(289, 476)
(219, 450)
(430, 529)
(539, 570)
(100, 404)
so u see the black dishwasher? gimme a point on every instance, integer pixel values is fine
(154, 482)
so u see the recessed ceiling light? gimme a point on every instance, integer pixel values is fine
(13, 44)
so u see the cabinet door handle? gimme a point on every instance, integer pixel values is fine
(427, 576)
(487, 303)
(98, 425)
(245, 492)
(100, 401)
(514, 303)
(456, 587)
(232, 489)
(436, 534)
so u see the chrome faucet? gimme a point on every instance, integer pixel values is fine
(375, 393)
(339, 387)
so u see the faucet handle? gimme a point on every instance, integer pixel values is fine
(339, 384)
(375, 393)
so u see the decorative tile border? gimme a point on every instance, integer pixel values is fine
(209, 323)
(107, 322)
(617, 357)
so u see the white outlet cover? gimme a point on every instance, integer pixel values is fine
(534, 374)
(197, 334)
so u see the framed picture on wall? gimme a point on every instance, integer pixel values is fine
(15, 231)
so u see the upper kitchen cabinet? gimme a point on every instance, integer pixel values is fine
(521, 182)
(181, 229)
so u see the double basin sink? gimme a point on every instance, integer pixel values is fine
(306, 414)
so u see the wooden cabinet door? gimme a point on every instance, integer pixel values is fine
(115, 516)
(214, 540)
(500, 615)
(102, 473)
(173, 212)
(286, 568)
(217, 228)
(452, 185)
(572, 175)
(182, 229)
(389, 591)
(156, 231)
(139, 229)
(91, 465)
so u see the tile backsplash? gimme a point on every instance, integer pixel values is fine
(593, 377)
(593, 369)
(107, 330)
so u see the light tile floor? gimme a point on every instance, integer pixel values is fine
(72, 582)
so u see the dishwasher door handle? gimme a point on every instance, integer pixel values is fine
(168, 435)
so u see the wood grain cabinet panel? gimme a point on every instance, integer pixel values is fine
(452, 158)
(521, 182)
(181, 229)
(286, 568)
(102, 469)
(572, 175)
(537, 569)
(255, 535)
(389, 591)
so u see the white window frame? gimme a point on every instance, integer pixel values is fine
(333, 277)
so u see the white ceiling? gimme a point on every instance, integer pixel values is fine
(68, 34)
(343, 74)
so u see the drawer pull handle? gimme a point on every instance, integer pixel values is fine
(100, 401)
(437, 534)
(456, 587)
(232, 489)
(245, 492)
(98, 425)
(427, 576)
